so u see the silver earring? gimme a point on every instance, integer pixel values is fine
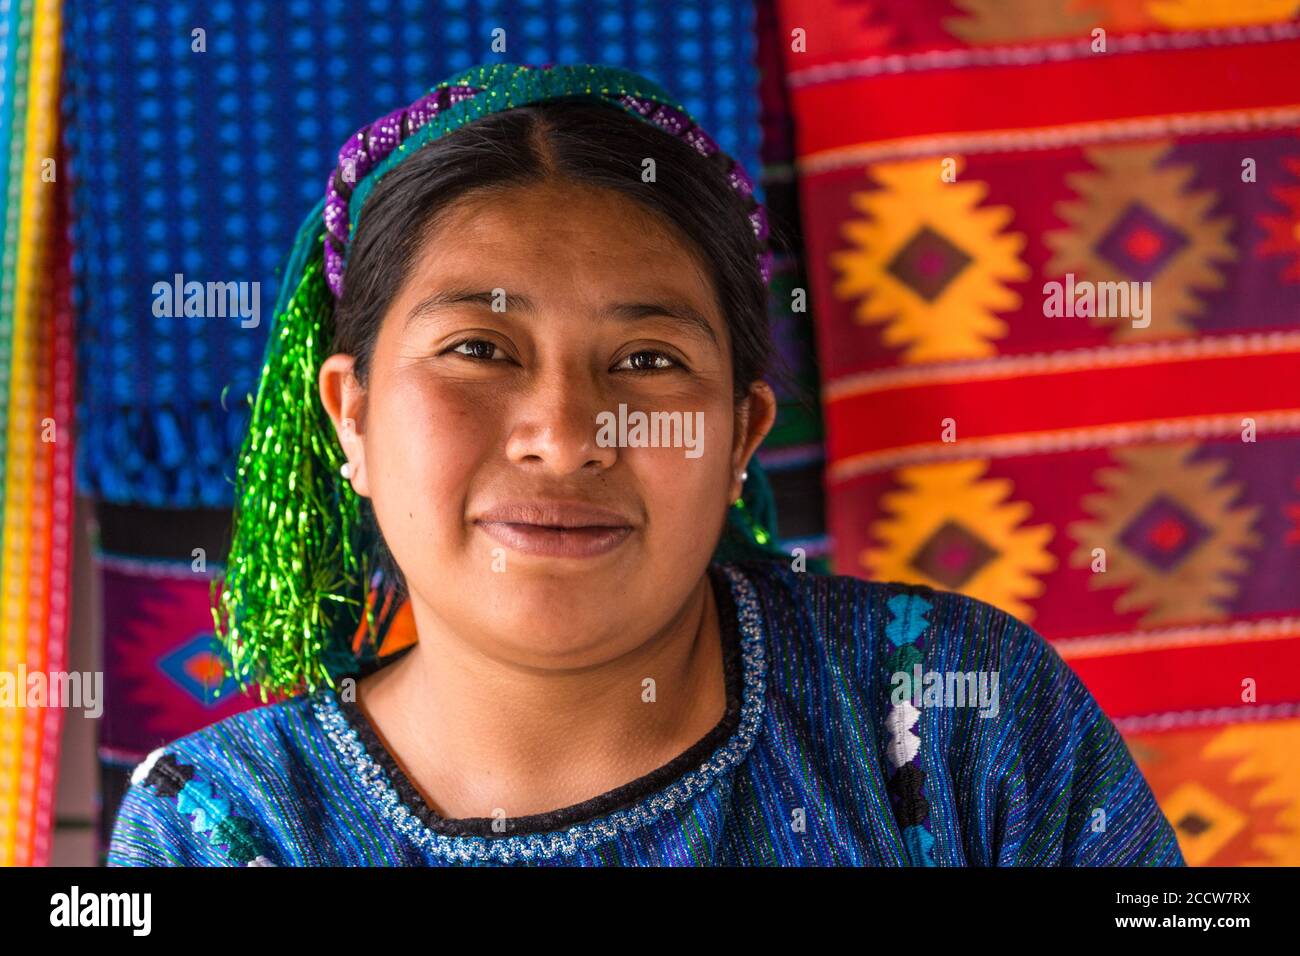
(744, 476)
(345, 469)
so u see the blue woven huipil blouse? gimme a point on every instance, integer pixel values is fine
(820, 759)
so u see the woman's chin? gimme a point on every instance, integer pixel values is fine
(558, 615)
(566, 597)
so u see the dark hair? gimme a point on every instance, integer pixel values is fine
(575, 139)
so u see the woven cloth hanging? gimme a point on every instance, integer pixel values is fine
(36, 372)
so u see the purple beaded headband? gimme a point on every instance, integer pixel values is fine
(376, 147)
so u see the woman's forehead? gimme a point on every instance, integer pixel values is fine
(545, 240)
(600, 221)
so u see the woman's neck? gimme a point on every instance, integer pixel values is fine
(478, 736)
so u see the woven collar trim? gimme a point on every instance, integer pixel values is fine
(571, 830)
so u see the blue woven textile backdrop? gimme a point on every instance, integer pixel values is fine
(204, 163)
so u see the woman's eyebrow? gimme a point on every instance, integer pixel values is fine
(685, 315)
(446, 297)
(688, 316)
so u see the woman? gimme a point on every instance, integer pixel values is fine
(523, 392)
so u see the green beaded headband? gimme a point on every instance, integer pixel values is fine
(302, 578)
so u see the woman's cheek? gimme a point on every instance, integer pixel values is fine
(686, 496)
(433, 440)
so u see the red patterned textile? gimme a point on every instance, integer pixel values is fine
(1054, 259)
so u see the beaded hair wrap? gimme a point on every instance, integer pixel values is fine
(303, 601)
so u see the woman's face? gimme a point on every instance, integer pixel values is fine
(530, 319)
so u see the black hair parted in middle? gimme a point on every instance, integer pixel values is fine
(577, 140)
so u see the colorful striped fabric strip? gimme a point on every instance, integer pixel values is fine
(36, 375)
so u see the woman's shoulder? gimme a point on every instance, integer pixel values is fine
(886, 627)
(241, 744)
(961, 690)
(802, 583)
(874, 631)
(839, 606)
(198, 800)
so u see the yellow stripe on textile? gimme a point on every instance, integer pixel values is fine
(25, 773)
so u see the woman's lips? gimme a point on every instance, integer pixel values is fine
(582, 542)
(556, 529)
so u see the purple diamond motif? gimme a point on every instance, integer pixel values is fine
(1140, 243)
(1164, 533)
(928, 263)
(952, 555)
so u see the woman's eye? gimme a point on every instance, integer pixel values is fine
(646, 361)
(478, 349)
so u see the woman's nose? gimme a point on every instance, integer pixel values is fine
(556, 426)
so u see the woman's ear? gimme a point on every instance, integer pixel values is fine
(755, 415)
(345, 403)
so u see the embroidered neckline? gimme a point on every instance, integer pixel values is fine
(600, 805)
(569, 830)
